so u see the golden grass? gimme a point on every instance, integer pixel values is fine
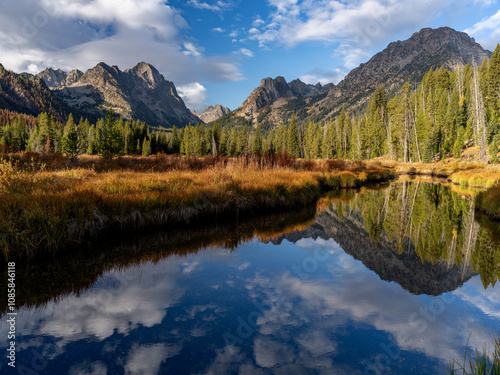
(48, 210)
(470, 174)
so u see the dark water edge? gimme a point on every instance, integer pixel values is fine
(73, 272)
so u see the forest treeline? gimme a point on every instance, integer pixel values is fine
(447, 112)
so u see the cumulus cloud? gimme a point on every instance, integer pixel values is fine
(324, 76)
(358, 27)
(195, 97)
(79, 34)
(146, 360)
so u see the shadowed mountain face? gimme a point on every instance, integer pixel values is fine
(27, 94)
(400, 62)
(406, 237)
(140, 93)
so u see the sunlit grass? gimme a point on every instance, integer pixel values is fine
(47, 210)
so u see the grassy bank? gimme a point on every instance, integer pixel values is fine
(469, 174)
(47, 207)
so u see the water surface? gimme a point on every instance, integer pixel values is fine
(390, 281)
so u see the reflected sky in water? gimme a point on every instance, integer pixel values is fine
(290, 308)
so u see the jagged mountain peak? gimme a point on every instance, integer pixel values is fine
(212, 113)
(57, 77)
(273, 90)
(139, 93)
(147, 72)
(399, 62)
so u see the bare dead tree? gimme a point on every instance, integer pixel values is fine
(479, 116)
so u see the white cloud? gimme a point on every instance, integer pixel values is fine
(192, 50)
(487, 31)
(258, 22)
(489, 23)
(195, 97)
(218, 30)
(146, 360)
(79, 34)
(245, 52)
(233, 34)
(218, 6)
(323, 76)
(360, 26)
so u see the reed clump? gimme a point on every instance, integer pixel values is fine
(484, 362)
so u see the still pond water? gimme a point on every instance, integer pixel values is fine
(387, 281)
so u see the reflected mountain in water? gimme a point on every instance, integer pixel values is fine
(422, 236)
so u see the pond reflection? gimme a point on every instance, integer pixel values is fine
(381, 282)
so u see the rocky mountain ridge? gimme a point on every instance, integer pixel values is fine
(401, 61)
(271, 91)
(139, 93)
(212, 113)
(29, 95)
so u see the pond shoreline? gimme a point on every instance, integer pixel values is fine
(50, 211)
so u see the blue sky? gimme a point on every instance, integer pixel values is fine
(217, 51)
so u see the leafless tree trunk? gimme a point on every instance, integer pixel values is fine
(479, 116)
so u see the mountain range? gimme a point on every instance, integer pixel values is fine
(142, 93)
(400, 62)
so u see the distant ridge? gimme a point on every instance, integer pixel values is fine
(212, 113)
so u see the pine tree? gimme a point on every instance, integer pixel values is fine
(110, 140)
(70, 144)
(293, 147)
(459, 144)
(493, 99)
(257, 141)
(146, 147)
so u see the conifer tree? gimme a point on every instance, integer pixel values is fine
(493, 99)
(146, 147)
(293, 146)
(110, 140)
(494, 149)
(70, 139)
(174, 141)
(257, 141)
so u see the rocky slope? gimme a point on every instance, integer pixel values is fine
(29, 95)
(406, 61)
(212, 113)
(272, 91)
(140, 93)
(55, 78)
(400, 62)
